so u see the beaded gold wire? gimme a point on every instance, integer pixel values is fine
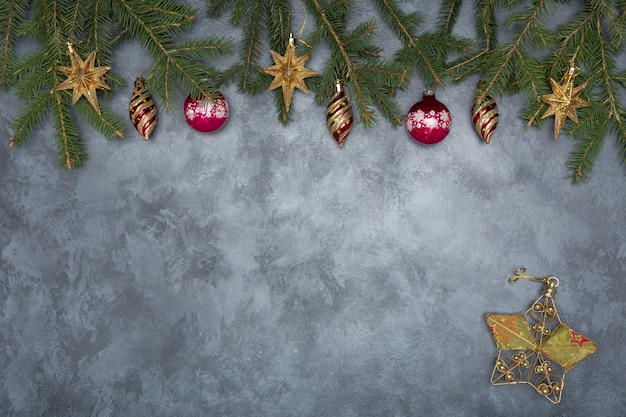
(536, 347)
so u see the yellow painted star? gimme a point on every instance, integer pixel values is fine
(83, 77)
(564, 100)
(289, 72)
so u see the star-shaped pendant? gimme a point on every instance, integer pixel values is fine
(289, 71)
(535, 347)
(83, 77)
(564, 100)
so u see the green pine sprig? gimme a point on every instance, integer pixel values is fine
(251, 16)
(12, 15)
(427, 53)
(175, 64)
(355, 60)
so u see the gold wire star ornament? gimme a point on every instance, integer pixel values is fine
(289, 71)
(564, 100)
(83, 77)
(536, 347)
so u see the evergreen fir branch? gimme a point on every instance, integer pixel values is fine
(605, 70)
(385, 73)
(109, 124)
(356, 62)
(503, 75)
(602, 67)
(621, 137)
(586, 150)
(99, 33)
(77, 18)
(246, 71)
(239, 9)
(388, 107)
(279, 102)
(216, 8)
(448, 13)
(486, 26)
(157, 39)
(360, 36)
(33, 77)
(426, 53)
(149, 23)
(279, 26)
(402, 24)
(180, 13)
(486, 22)
(497, 65)
(29, 118)
(366, 115)
(12, 14)
(199, 49)
(71, 151)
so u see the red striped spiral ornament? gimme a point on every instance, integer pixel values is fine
(484, 114)
(339, 116)
(143, 112)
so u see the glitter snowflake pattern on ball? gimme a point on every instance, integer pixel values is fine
(429, 120)
(206, 115)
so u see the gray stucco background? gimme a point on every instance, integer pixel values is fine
(263, 271)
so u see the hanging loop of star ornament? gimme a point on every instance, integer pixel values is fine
(564, 99)
(83, 77)
(536, 347)
(289, 71)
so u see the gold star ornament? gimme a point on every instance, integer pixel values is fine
(564, 100)
(289, 72)
(536, 347)
(83, 77)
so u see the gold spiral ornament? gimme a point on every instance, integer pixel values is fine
(143, 112)
(484, 114)
(339, 116)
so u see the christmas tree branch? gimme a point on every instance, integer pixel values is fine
(12, 14)
(279, 30)
(448, 13)
(250, 14)
(589, 142)
(106, 122)
(600, 59)
(426, 53)
(30, 118)
(357, 62)
(100, 34)
(70, 149)
(502, 75)
(336, 40)
(486, 27)
(156, 37)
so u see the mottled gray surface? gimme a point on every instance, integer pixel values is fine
(262, 271)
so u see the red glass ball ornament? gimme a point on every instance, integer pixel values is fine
(207, 114)
(429, 120)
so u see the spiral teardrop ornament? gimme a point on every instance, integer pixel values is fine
(484, 114)
(339, 116)
(143, 112)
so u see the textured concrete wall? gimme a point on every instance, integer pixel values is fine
(262, 271)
